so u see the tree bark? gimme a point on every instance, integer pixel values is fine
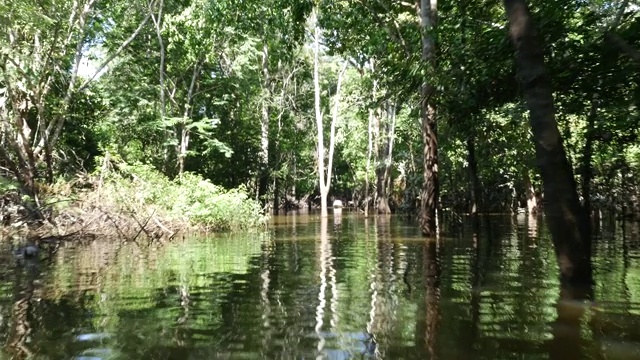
(366, 180)
(429, 194)
(319, 122)
(565, 216)
(264, 127)
(386, 153)
(587, 155)
(157, 21)
(183, 128)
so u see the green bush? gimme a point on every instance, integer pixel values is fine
(188, 198)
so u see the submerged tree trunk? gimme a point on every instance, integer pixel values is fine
(567, 221)
(532, 196)
(429, 195)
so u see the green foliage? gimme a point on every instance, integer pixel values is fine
(189, 197)
(227, 61)
(7, 185)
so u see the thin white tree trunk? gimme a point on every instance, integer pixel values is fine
(186, 117)
(157, 21)
(319, 125)
(263, 174)
(325, 182)
(334, 122)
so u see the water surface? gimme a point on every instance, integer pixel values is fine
(343, 288)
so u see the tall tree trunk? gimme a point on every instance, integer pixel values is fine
(276, 194)
(372, 146)
(332, 138)
(567, 221)
(319, 122)
(264, 128)
(587, 155)
(429, 195)
(183, 128)
(376, 134)
(474, 180)
(157, 21)
(386, 153)
(369, 148)
(474, 183)
(324, 176)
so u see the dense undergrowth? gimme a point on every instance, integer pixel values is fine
(128, 201)
(189, 198)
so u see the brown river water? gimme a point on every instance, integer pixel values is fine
(345, 287)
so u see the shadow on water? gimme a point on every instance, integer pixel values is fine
(343, 287)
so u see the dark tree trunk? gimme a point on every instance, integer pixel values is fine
(382, 201)
(263, 186)
(429, 312)
(567, 221)
(429, 195)
(383, 194)
(587, 155)
(276, 194)
(24, 170)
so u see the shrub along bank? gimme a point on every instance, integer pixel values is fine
(129, 201)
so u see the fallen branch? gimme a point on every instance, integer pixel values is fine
(114, 224)
(172, 233)
(143, 227)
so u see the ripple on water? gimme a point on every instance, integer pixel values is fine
(340, 290)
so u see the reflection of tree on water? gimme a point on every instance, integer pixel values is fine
(325, 259)
(265, 277)
(383, 301)
(388, 293)
(428, 310)
(21, 328)
(567, 335)
(346, 287)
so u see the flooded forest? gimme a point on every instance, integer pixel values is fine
(329, 179)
